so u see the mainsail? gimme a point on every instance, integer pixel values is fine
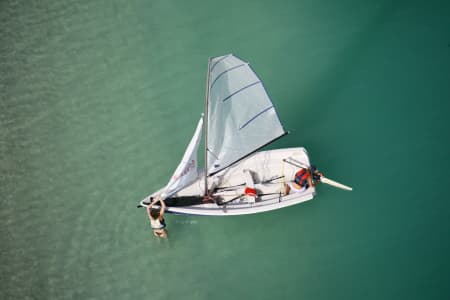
(241, 116)
(186, 172)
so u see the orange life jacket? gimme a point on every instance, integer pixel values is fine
(301, 177)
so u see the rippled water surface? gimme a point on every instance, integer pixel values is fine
(98, 100)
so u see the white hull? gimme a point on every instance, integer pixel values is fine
(230, 183)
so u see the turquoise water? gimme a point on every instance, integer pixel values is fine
(100, 98)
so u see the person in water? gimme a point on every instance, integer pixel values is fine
(304, 178)
(156, 217)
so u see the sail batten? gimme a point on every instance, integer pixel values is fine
(218, 61)
(254, 117)
(241, 89)
(241, 116)
(224, 72)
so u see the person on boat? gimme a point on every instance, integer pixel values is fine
(156, 217)
(304, 178)
(316, 175)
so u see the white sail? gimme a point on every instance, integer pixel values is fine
(241, 116)
(187, 171)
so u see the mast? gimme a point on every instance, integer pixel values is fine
(206, 127)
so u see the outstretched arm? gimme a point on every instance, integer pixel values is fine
(148, 212)
(163, 209)
(309, 178)
(155, 200)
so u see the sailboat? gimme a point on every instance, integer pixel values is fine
(237, 178)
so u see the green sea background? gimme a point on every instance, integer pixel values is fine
(98, 100)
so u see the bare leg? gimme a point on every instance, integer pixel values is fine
(310, 182)
(287, 189)
(162, 233)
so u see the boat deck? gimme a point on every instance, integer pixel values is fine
(268, 172)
